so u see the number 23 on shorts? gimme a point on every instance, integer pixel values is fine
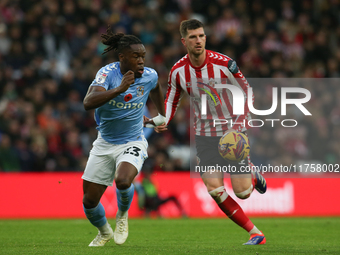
(133, 150)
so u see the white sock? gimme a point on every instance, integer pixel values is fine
(105, 229)
(245, 194)
(122, 213)
(219, 194)
(254, 230)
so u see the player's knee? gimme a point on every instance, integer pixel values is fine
(219, 194)
(211, 188)
(245, 193)
(122, 183)
(89, 202)
(212, 185)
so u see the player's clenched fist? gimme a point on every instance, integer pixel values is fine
(128, 79)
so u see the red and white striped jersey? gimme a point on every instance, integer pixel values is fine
(196, 81)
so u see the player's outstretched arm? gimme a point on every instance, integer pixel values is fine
(97, 96)
(157, 98)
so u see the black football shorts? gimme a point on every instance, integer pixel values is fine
(208, 157)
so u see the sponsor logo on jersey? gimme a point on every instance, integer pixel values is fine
(140, 91)
(210, 90)
(101, 78)
(122, 105)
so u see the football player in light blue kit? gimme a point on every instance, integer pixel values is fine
(118, 94)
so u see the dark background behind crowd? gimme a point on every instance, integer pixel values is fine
(50, 52)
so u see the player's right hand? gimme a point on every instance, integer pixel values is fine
(161, 128)
(128, 79)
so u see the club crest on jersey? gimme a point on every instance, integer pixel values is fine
(101, 78)
(140, 91)
(212, 82)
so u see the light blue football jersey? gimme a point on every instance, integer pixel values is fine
(121, 119)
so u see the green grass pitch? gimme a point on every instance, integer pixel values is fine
(173, 236)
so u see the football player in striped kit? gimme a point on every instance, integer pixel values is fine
(118, 94)
(202, 67)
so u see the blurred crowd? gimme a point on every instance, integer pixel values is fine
(50, 52)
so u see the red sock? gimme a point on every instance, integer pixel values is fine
(235, 213)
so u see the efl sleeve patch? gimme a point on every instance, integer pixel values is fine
(232, 66)
(101, 77)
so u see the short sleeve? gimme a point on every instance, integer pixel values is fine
(154, 79)
(102, 79)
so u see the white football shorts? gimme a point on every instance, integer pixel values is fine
(105, 158)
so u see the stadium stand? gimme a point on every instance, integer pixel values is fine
(50, 52)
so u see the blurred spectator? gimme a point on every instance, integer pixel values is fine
(149, 198)
(9, 159)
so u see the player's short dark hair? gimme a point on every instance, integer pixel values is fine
(118, 41)
(189, 24)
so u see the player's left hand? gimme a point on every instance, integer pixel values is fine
(146, 120)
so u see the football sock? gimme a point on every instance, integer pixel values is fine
(105, 229)
(124, 198)
(245, 194)
(255, 230)
(219, 194)
(231, 208)
(141, 194)
(96, 215)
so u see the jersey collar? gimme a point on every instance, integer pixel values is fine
(204, 63)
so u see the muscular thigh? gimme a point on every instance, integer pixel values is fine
(209, 158)
(100, 169)
(240, 182)
(133, 153)
(105, 158)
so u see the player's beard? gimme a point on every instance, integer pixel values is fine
(196, 53)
